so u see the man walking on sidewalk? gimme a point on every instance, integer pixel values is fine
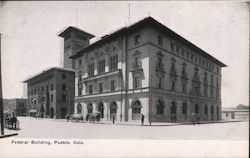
(142, 119)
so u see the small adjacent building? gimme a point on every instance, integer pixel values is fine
(17, 105)
(235, 114)
(51, 93)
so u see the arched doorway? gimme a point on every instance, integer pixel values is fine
(196, 109)
(90, 108)
(218, 112)
(206, 111)
(184, 109)
(173, 110)
(113, 110)
(42, 111)
(79, 108)
(101, 109)
(212, 112)
(136, 110)
(51, 112)
(160, 107)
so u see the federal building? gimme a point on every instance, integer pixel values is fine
(144, 68)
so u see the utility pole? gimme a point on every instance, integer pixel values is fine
(1, 95)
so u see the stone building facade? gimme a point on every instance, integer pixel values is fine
(51, 93)
(17, 105)
(147, 69)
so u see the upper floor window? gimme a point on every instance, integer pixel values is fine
(101, 66)
(160, 40)
(160, 83)
(51, 87)
(90, 89)
(112, 86)
(184, 87)
(79, 62)
(51, 98)
(137, 39)
(64, 98)
(79, 90)
(137, 61)
(172, 45)
(63, 76)
(137, 82)
(63, 87)
(178, 49)
(173, 85)
(91, 69)
(114, 62)
(100, 88)
(173, 68)
(183, 52)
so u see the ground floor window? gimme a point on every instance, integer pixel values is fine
(113, 110)
(160, 107)
(90, 108)
(173, 110)
(184, 109)
(136, 110)
(79, 108)
(101, 110)
(196, 108)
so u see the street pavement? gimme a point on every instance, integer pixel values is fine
(61, 129)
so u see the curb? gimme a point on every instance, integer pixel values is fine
(8, 135)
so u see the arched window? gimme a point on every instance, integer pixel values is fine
(113, 109)
(184, 108)
(206, 109)
(101, 109)
(90, 108)
(160, 107)
(173, 108)
(79, 108)
(196, 108)
(136, 110)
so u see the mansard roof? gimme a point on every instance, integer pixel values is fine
(149, 21)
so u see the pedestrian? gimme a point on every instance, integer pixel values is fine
(113, 118)
(142, 119)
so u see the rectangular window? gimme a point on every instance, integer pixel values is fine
(63, 87)
(90, 89)
(51, 98)
(136, 82)
(79, 91)
(64, 98)
(101, 67)
(112, 86)
(137, 39)
(160, 40)
(183, 52)
(100, 88)
(173, 86)
(91, 70)
(79, 62)
(160, 82)
(35, 91)
(63, 76)
(52, 87)
(177, 49)
(172, 46)
(184, 87)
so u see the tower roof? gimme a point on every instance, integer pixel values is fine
(71, 28)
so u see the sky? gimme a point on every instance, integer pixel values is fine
(30, 41)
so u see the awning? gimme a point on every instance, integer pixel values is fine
(32, 111)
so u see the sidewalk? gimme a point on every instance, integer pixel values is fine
(8, 133)
(138, 123)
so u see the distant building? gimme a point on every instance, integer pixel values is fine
(235, 113)
(145, 68)
(51, 93)
(18, 105)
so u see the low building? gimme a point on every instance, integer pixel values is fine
(235, 114)
(18, 105)
(51, 93)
